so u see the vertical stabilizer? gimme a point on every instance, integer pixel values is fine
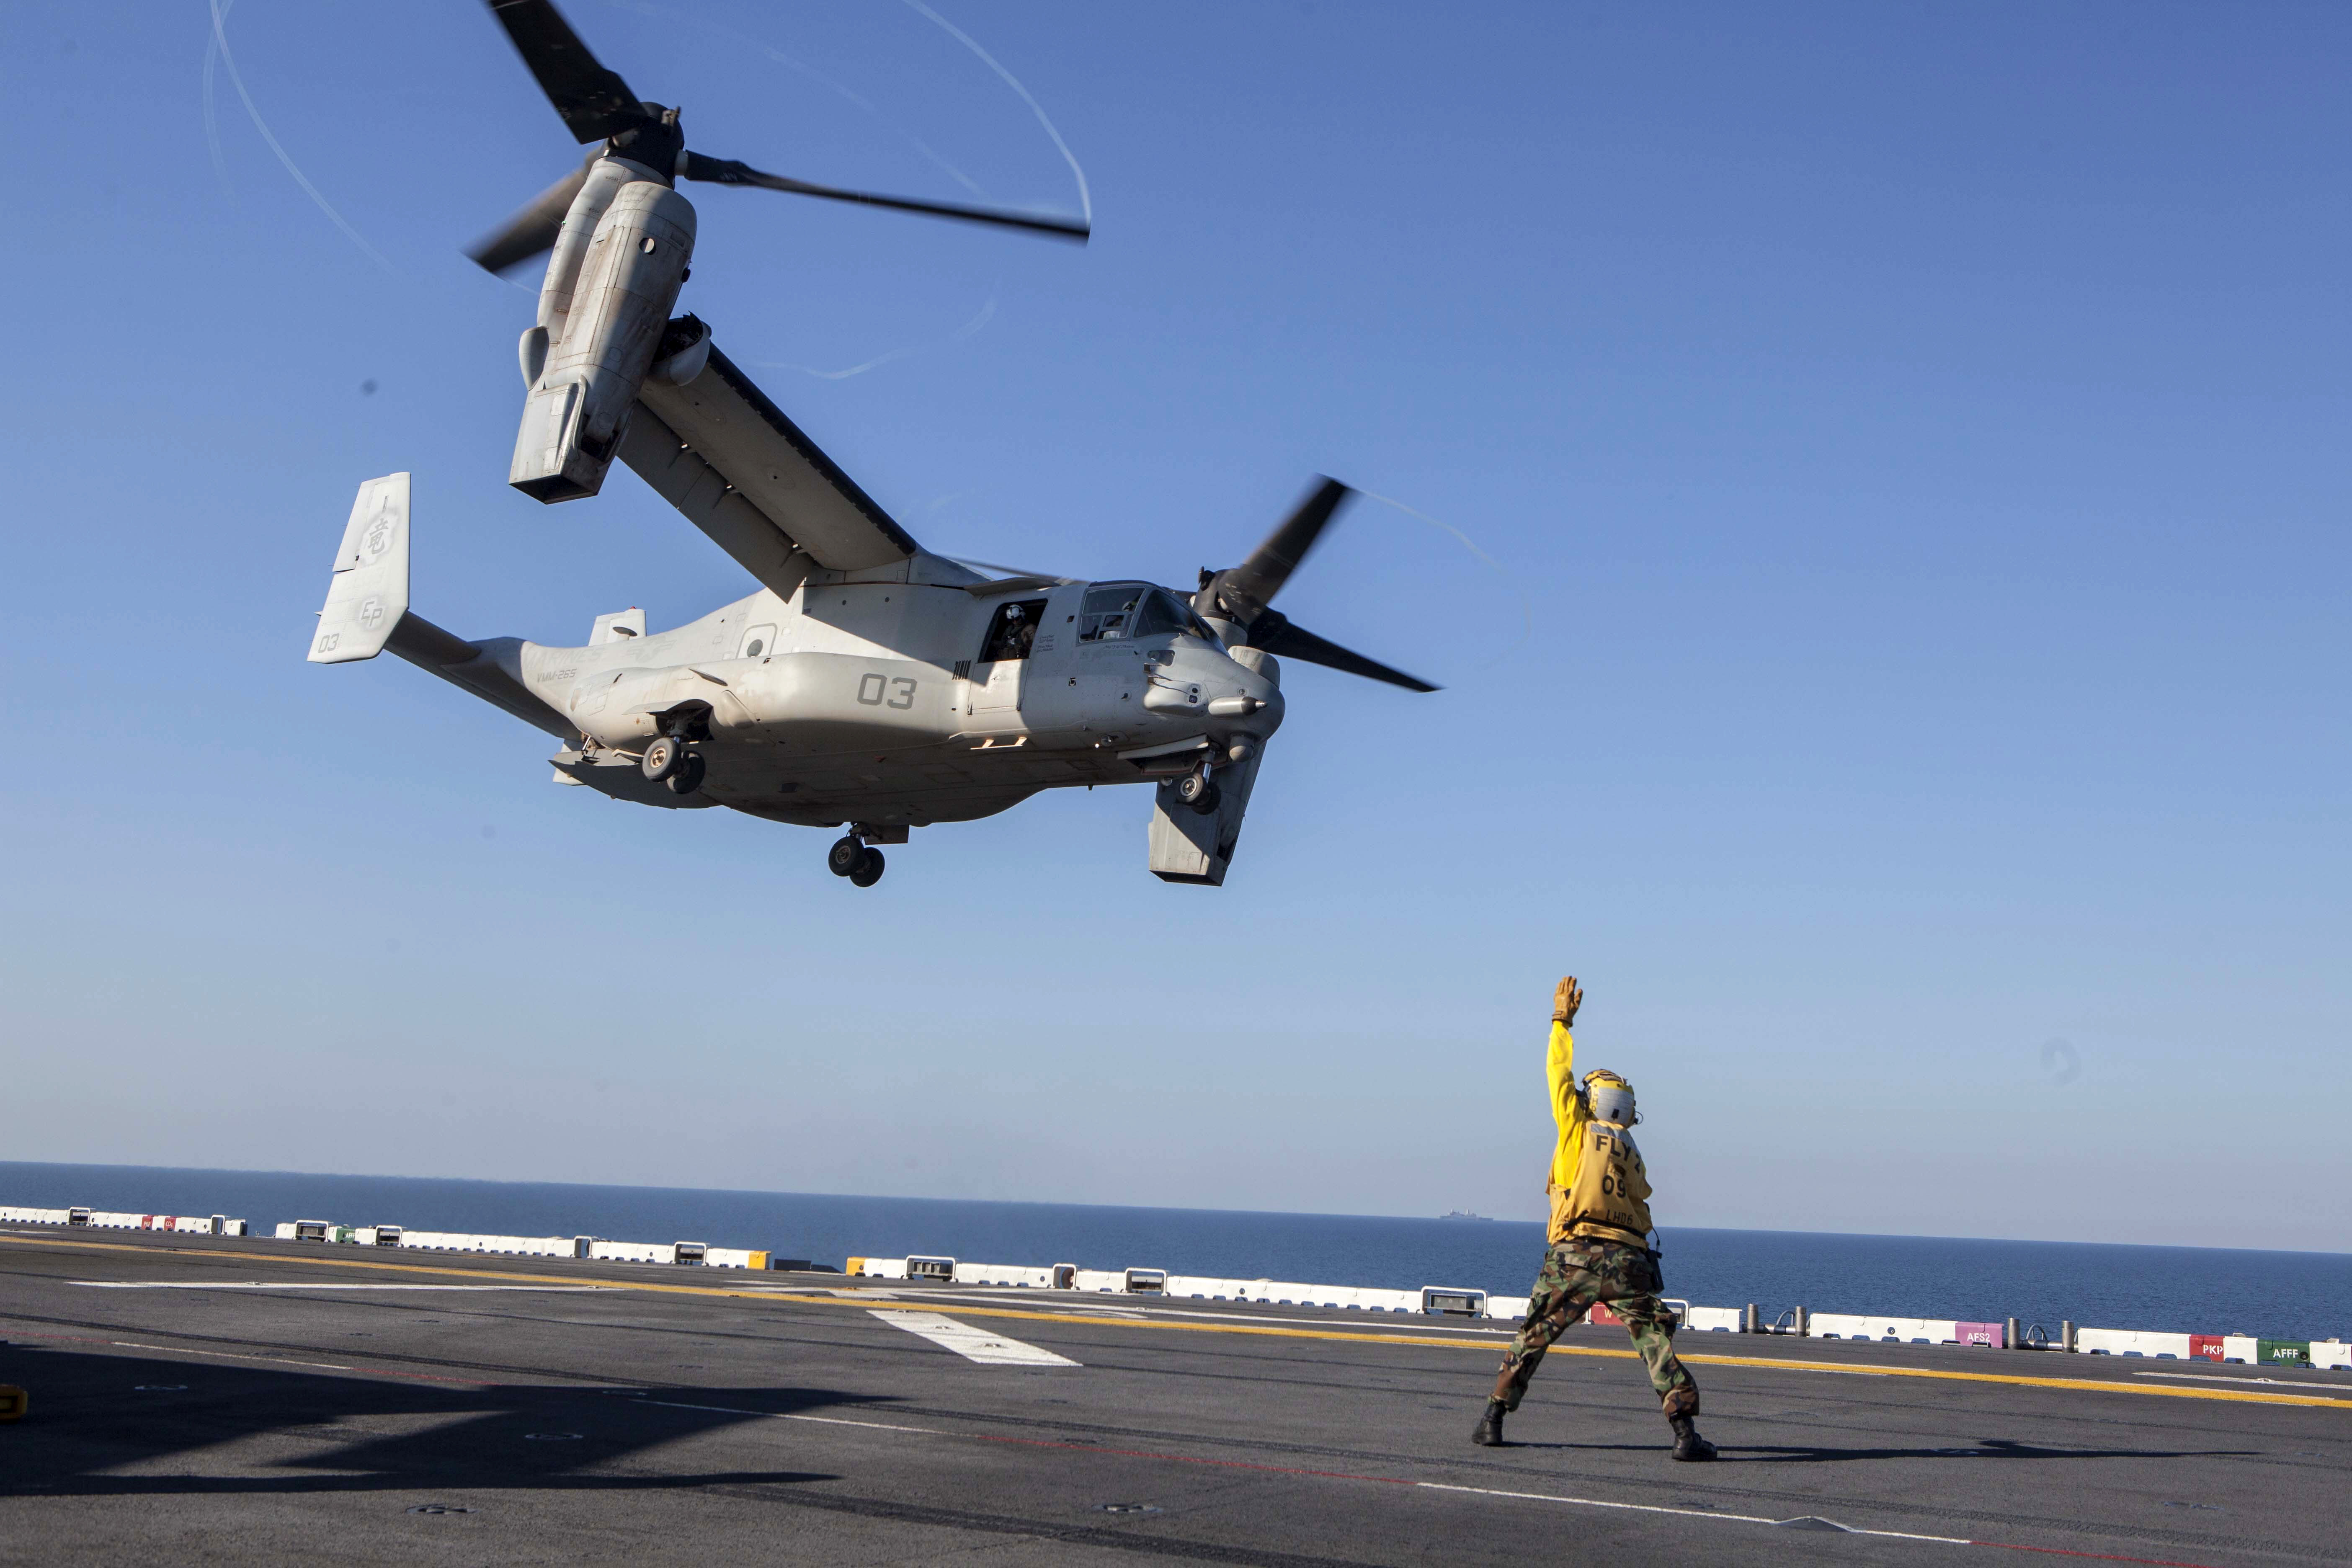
(369, 592)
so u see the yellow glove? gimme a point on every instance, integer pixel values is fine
(1565, 1000)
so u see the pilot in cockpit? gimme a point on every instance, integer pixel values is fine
(1015, 631)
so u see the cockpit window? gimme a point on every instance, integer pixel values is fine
(1163, 612)
(1109, 612)
(1118, 611)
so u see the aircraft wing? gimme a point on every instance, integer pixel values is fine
(721, 453)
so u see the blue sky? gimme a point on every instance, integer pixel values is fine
(1910, 688)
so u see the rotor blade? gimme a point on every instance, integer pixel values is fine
(1254, 584)
(532, 230)
(728, 172)
(1273, 632)
(594, 102)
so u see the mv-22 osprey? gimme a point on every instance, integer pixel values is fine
(869, 684)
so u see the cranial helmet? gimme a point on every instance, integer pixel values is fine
(1611, 1098)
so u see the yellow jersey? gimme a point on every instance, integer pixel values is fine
(1623, 1214)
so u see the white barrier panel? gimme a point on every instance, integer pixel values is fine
(2241, 1347)
(733, 1257)
(1290, 1293)
(200, 1225)
(463, 1241)
(2136, 1342)
(1151, 1282)
(2331, 1352)
(1855, 1326)
(1716, 1319)
(436, 1240)
(633, 1251)
(1004, 1274)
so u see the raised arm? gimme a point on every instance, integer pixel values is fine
(1560, 1061)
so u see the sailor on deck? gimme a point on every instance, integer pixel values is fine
(1599, 1241)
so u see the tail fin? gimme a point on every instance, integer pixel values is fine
(369, 592)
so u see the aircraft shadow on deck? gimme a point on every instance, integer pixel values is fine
(91, 1413)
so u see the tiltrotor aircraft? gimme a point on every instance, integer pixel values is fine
(869, 684)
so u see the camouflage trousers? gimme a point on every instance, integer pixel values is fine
(1576, 1274)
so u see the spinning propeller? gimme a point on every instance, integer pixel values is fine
(1242, 593)
(597, 105)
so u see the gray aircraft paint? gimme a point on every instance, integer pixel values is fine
(865, 704)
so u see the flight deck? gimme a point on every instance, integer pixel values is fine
(199, 1397)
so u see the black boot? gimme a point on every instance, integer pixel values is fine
(1489, 1434)
(1688, 1443)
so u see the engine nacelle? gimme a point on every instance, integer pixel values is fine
(627, 282)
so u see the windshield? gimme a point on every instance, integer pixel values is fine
(1164, 612)
(1109, 613)
(1116, 611)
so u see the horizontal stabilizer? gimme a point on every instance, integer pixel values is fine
(491, 669)
(369, 590)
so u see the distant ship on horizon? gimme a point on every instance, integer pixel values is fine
(1465, 1214)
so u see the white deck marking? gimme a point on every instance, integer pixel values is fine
(972, 1344)
(1700, 1513)
(780, 1415)
(305, 1285)
(2308, 1388)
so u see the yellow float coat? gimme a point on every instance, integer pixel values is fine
(1574, 1119)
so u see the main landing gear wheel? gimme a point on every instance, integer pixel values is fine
(688, 776)
(869, 871)
(1200, 792)
(846, 856)
(664, 757)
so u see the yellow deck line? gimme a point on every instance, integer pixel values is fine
(1268, 1330)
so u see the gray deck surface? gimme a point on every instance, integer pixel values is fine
(679, 1414)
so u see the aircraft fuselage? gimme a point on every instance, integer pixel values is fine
(878, 704)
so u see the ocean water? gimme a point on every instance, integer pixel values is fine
(2285, 1295)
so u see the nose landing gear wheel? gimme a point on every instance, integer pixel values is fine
(845, 856)
(1201, 793)
(869, 871)
(663, 756)
(688, 776)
